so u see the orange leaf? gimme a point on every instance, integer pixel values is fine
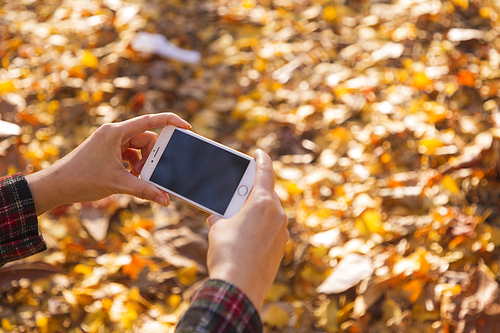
(75, 248)
(466, 78)
(134, 269)
(415, 288)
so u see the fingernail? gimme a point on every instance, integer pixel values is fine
(161, 200)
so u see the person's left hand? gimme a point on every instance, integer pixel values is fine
(94, 170)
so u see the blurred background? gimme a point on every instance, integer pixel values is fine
(381, 118)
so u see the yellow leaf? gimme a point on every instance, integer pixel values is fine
(97, 96)
(5, 62)
(464, 4)
(485, 12)
(292, 188)
(435, 111)
(430, 145)
(277, 291)
(370, 220)
(421, 81)
(83, 96)
(313, 276)
(15, 43)
(340, 90)
(245, 104)
(129, 318)
(187, 275)
(53, 106)
(421, 313)
(327, 315)
(495, 233)
(83, 269)
(275, 316)
(344, 313)
(107, 303)
(407, 63)
(6, 325)
(94, 321)
(174, 300)
(89, 60)
(450, 184)
(360, 225)
(248, 3)
(12, 170)
(329, 13)
(260, 64)
(6, 86)
(135, 295)
(450, 88)
(42, 323)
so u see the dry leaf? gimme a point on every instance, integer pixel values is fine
(349, 272)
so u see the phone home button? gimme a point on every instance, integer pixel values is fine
(242, 190)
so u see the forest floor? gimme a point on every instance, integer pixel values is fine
(381, 118)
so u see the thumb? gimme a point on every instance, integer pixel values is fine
(212, 219)
(144, 190)
(264, 172)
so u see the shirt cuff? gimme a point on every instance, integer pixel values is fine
(219, 306)
(20, 236)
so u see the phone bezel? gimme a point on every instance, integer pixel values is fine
(237, 200)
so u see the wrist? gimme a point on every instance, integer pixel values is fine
(247, 284)
(46, 189)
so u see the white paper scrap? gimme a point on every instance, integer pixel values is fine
(160, 45)
(9, 129)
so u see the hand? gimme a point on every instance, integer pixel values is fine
(246, 250)
(94, 170)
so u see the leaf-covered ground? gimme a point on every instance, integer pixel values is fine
(382, 120)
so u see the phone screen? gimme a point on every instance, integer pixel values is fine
(199, 171)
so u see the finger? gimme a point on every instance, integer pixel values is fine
(146, 139)
(136, 126)
(212, 219)
(144, 190)
(131, 156)
(277, 199)
(145, 142)
(264, 173)
(137, 168)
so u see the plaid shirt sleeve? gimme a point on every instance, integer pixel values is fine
(19, 233)
(220, 307)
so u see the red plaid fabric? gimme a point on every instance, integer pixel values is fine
(220, 307)
(19, 233)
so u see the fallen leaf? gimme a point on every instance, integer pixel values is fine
(349, 272)
(182, 248)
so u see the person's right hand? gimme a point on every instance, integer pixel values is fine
(246, 250)
(94, 170)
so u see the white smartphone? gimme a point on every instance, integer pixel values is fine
(199, 171)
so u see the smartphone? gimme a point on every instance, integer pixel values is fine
(199, 171)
